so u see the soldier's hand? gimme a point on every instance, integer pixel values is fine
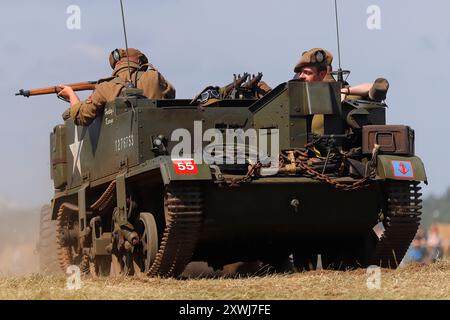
(66, 92)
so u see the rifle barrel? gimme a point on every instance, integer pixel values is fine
(79, 86)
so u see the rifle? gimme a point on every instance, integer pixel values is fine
(79, 86)
(253, 82)
(237, 82)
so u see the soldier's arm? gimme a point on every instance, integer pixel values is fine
(359, 90)
(84, 112)
(67, 92)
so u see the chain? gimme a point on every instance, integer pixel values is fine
(357, 185)
(253, 173)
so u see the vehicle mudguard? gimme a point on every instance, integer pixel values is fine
(169, 172)
(400, 168)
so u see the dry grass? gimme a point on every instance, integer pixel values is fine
(410, 282)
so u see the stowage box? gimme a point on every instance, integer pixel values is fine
(393, 139)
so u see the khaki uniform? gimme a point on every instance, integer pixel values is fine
(151, 82)
(315, 57)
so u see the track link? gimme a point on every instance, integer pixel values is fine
(67, 220)
(401, 223)
(183, 204)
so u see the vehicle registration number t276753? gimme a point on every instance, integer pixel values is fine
(124, 143)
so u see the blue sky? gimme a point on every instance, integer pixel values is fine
(195, 43)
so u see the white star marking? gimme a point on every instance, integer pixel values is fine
(75, 148)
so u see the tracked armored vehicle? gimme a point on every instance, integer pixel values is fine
(122, 201)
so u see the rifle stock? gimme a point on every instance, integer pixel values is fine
(79, 86)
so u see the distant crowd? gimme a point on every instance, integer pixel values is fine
(427, 247)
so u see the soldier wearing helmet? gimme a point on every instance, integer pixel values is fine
(143, 75)
(315, 65)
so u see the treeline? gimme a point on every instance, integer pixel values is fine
(436, 209)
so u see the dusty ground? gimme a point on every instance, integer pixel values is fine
(19, 279)
(19, 231)
(410, 282)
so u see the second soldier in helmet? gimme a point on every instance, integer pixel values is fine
(316, 65)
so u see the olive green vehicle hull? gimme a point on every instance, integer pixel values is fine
(238, 224)
(115, 190)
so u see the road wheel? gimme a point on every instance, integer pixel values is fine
(149, 240)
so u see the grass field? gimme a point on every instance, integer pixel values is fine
(410, 282)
